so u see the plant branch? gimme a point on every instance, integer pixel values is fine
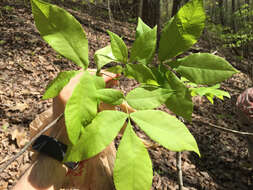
(241, 133)
(179, 165)
(179, 171)
(28, 144)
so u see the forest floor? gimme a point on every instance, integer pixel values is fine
(27, 64)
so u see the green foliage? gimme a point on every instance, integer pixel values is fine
(182, 31)
(104, 56)
(210, 92)
(7, 8)
(80, 112)
(66, 35)
(180, 102)
(237, 34)
(167, 127)
(133, 167)
(150, 97)
(214, 70)
(97, 135)
(90, 132)
(110, 96)
(141, 73)
(119, 49)
(54, 87)
(144, 47)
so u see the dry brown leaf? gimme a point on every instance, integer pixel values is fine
(3, 185)
(19, 107)
(20, 136)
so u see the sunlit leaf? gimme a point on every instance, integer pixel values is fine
(133, 167)
(62, 31)
(54, 87)
(144, 47)
(141, 73)
(104, 56)
(81, 108)
(182, 31)
(165, 129)
(110, 96)
(148, 97)
(179, 102)
(97, 135)
(119, 48)
(205, 68)
(141, 28)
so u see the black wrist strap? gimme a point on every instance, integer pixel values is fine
(53, 148)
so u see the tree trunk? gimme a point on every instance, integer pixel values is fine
(175, 7)
(221, 12)
(151, 12)
(232, 15)
(166, 4)
(140, 8)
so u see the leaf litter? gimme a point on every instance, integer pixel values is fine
(27, 64)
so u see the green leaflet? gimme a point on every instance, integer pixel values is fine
(179, 102)
(144, 47)
(97, 135)
(165, 129)
(98, 82)
(110, 96)
(209, 92)
(148, 97)
(182, 31)
(62, 31)
(104, 56)
(54, 87)
(205, 68)
(141, 73)
(119, 48)
(115, 69)
(133, 167)
(81, 108)
(141, 28)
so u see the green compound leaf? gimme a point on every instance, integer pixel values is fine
(115, 69)
(104, 56)
(133, 167)
(148, 97)
(205, 68)
(182, 31)
(81, 108)
(97, 135)
(54, 87)
(119, 48)
(179, 102)
(210, 92)
(62, 31)
(110, 96)
(99, 82)
(165, 129)
(144, 47)
(141, 73)
(141, 28)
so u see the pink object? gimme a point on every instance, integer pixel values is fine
(244, 104)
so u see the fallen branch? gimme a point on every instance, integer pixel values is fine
(241, 133)
(28, 144)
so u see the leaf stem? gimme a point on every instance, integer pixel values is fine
(179, 171)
